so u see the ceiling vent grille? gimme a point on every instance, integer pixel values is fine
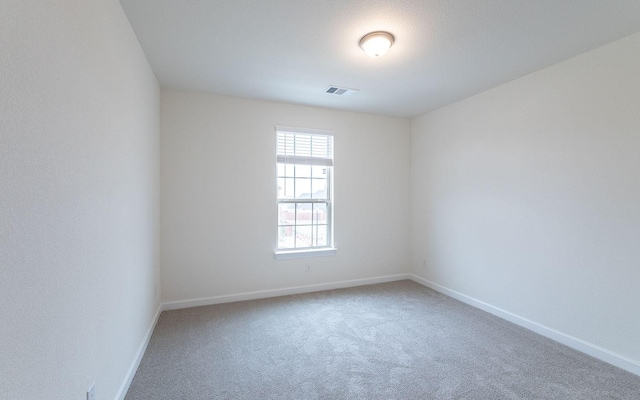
(340, 91)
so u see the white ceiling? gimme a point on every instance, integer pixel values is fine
(292, 50)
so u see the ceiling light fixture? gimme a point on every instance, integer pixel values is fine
(376, 44)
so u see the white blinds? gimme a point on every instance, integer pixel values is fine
(304, 146)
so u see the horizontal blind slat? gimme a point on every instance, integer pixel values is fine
(305, 148)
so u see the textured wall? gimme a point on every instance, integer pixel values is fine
(527, 197)
(219, 188)
(79, 179)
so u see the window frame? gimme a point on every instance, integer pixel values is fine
(313, 251)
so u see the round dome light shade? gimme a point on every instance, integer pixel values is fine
(376, 44)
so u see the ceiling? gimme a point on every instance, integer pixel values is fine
(293, 50)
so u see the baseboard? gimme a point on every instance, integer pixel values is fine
(263, 294)
(573, 342)
(124, 388)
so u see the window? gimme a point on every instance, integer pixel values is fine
(304, 161)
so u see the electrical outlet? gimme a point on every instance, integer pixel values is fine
(308, 268)
(91, 394)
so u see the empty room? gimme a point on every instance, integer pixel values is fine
(291, 199)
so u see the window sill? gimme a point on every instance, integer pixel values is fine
(287, 254)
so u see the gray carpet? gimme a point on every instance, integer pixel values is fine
(395, 340)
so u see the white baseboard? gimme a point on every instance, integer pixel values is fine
(573, 342)
(122, 392)
(263, 294)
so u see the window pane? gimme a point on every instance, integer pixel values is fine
(303, 236)
(287, 188)
(286, 214)
(286, 237)
(318, 188)
(303, 188)
(303, 171)
(303, 213)
(285, 170)
(319, 171)
(288, 170)
(320, 235)
(319, 213)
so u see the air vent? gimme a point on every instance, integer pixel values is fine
(340, 91)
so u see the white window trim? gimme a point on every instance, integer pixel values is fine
(304, 253)
(309, 131)
(281, 254)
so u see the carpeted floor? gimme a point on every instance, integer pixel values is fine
(395, 340)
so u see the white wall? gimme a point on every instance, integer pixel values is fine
(79, 214)
(527, 197)
(219, 187)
